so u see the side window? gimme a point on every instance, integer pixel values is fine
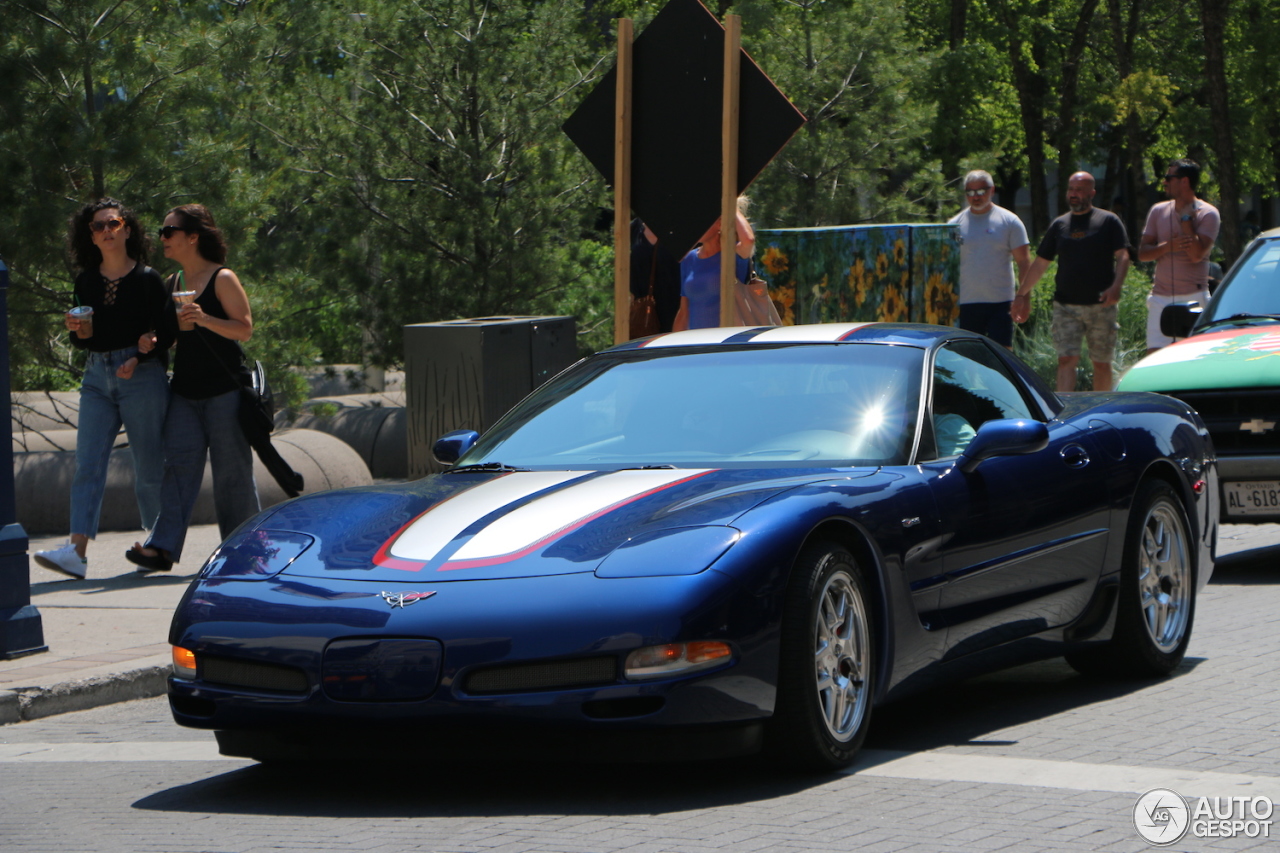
(970, 387)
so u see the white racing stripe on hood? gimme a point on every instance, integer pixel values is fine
(827, 333)
(560, 512)
(695, 337)
(444, 522)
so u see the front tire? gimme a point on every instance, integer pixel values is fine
(825, 663)
(1157, 592)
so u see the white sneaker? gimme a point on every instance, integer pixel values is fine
(64, 560)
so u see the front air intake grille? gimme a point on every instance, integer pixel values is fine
(557, 675)
(1244, 421)
(256, 676)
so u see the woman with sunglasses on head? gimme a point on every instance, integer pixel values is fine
(208, 373)
(120, 385)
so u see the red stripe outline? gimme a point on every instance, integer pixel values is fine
(383, 556)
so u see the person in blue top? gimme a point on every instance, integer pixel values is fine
(700, 274)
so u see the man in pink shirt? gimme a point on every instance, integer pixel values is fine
(1178, 236)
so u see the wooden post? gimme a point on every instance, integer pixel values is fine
(729, 170)
(622, 189)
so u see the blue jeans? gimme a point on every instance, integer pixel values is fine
(106, 402)
(988, 318)
(196, 429)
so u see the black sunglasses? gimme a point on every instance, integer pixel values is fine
(168, 231)
(1171, 176)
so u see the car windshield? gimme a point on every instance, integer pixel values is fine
(1252, 290)
(843, 404)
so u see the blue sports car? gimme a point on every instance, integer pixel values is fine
(713, 542)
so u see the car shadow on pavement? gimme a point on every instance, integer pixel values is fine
(1245, 568)
(481, 789)
(990, 703)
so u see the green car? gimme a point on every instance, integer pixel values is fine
(1227, 367)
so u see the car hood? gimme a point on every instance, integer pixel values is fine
(473, 526)
(1246, 357)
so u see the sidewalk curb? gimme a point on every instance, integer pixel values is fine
(32, 703)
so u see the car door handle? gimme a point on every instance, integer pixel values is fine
(1074, 456)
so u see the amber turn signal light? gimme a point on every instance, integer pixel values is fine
(184, 662)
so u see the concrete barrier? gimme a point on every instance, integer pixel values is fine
(54, 439)
(376, 433)
(40, 411)
(42, 481)
(374, 424)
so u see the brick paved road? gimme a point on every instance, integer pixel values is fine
(1030, 759)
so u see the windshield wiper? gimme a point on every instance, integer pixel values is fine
(499, 467)
(1241, 317)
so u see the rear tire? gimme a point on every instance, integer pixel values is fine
(1157, 592)
(825, 663)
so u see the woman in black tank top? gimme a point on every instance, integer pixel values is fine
(208, 371)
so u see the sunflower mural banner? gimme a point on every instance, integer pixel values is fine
(893, 273)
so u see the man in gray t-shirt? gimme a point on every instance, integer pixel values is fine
(989, 237)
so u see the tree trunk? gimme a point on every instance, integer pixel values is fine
(959, 15)
(1213, 15)
(95, 150)
(1069, 88)
(1030, 87)
(1123, 33)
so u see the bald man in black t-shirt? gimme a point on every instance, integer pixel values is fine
(1092, 249)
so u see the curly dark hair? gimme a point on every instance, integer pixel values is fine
(196, 219)
(84, 254)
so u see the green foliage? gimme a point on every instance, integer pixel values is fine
(857, 77)
(402, 162)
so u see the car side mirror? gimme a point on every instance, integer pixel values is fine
(449, 447)
(1007, 437)
(1176, 321)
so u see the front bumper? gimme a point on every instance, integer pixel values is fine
(280, 625)
(1244, 469)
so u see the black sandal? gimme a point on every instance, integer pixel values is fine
(148, 562)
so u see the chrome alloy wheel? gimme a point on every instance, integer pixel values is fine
(842, 656)
(1164, 576)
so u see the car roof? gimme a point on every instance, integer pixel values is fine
(909, 334)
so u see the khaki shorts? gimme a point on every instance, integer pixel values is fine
(1096, 323)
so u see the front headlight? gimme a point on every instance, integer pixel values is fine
(676, 659)
(666, 553)
(257, 554)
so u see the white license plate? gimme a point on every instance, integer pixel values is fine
(1253, 497)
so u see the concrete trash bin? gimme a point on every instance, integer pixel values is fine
(466, 374)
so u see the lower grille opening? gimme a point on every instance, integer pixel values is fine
(556, 675)
(190, 706)
(251, 674)
(616, 709)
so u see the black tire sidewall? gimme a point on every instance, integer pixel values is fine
(797, 734)
(1139, 653)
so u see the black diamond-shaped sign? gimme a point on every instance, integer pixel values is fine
(677, 88)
